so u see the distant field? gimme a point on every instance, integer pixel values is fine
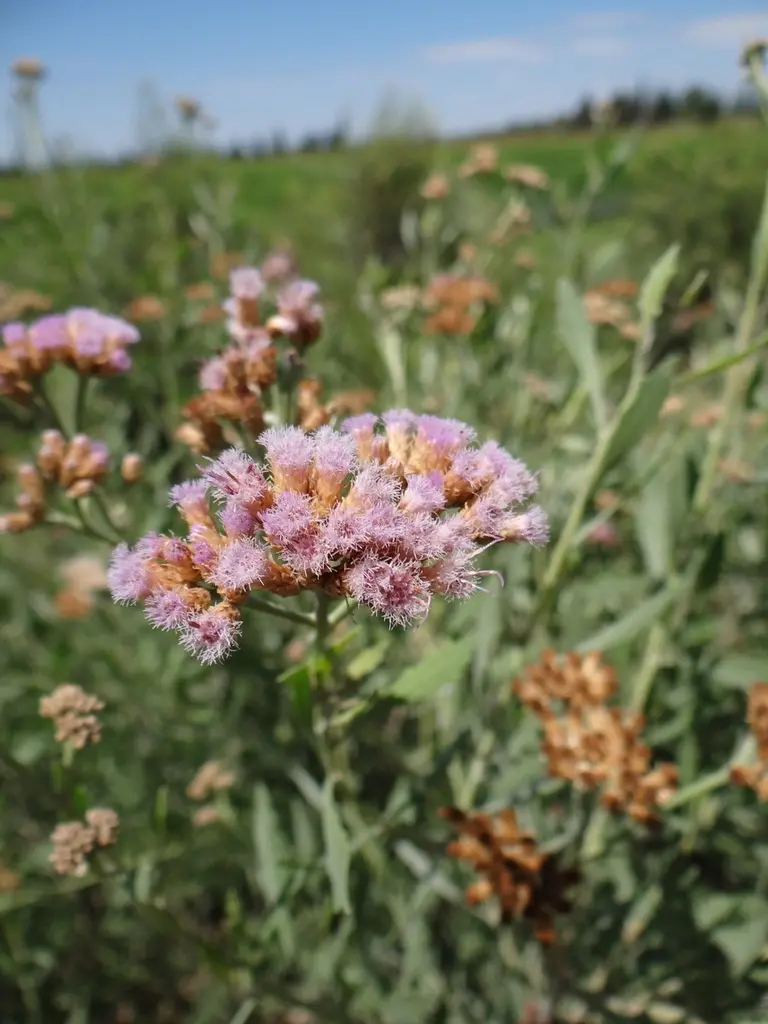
(306, 197)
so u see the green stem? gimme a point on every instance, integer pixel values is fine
(744, 754)
(737, 377)
(260, 604)
(101, 505)
(80, 403)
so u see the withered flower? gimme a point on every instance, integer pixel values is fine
(528, 883)
(14, 304)
(590, 744)
(131, 468)
(211, 778)
(74, 840)
(527, 175)
(145, 309)
(755, 776)
(435, 187)
(483, 159)
(73, 713)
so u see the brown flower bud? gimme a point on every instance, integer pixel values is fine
(131, 468)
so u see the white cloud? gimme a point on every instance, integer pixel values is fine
(730, 30)
(605, 21)
(598, 46)
(484, 50)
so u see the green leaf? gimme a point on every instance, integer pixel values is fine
(638, 417)
(641, 913)
(634, 623)
(265, 832)
(740, 671)
(578, 336)
(245, 1011)
(713, 563)
(444, 665)
(367, 660)
(742, 943)
(655, 286)
(713, 908)
(337, 850)
(759, 268)
(653, 525)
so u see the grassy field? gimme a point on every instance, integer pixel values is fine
(284, 813)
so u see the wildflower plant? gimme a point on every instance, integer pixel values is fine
(390, 668)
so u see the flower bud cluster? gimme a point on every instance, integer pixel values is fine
(73, 841)
(75, 467)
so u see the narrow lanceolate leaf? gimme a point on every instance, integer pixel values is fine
(444, 665)
(265, 838)
(637, 418)
(655, 286)
(634, 623)
(337, 850)
(578, 337)
(653, 526)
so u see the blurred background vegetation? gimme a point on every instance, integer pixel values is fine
(645, 408)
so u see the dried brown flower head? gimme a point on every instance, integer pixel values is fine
(206, 815)
(15, 304)
(579, 680)
(105, 823)
(145, 309)
(605, 311)
(435, 187)
(527, 175)
(450, 320)
(527, 882)
(28, 67)
(755, 776)
(73, 841)
(525, 259)
(459, 290)
(736, 471)
(483, 159)
(211, 778)
(188, 107)
(71, 603)
(73, 712)
(201, 291)
(312, 411)
(223, 263)
(403, 296)
(9, 880)
(590, 744)
(707, 416)
(132, 468)
(7, 210)
(85, 572)
(673, 405)
(351, 402)
(607, 500)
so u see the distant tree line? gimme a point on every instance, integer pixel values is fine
(696, 103)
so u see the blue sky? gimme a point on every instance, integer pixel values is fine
(297, 65)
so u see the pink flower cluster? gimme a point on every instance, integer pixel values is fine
(89, 341)
(387, 518)
(298, 316)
